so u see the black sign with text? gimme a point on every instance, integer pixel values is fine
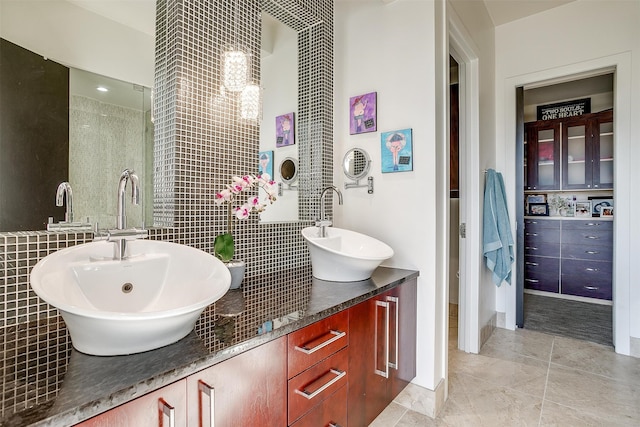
(563, 110)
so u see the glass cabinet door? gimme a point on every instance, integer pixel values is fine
(577, 166)
(543, 153)
(605, 157)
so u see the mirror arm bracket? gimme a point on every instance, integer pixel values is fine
(356, 184)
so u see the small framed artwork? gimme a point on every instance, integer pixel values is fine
(397, 151)
(571, 208)
(606, 211)
(536, 198)
(285, 132)
(538, 209)
(597, 203)
(583, 209)
(265, 163)
(362, 113)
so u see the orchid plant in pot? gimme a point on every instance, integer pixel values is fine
(224, 246)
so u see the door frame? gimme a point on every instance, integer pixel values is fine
(463, 50)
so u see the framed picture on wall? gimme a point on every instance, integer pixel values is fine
(265, 163)
(363, 113)
(285, 132)
(538, 209)
(397, 151)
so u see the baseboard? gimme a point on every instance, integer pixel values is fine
(488, 328)
(422, 400)
(635, 347)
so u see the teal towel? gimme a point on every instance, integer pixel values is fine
(497, 241)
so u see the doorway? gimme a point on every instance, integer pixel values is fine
(568, 177)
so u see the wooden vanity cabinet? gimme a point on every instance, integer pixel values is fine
(382, 356)
(249, 389)
(164, 407)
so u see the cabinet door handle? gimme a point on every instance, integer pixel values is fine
(592, 269)
(307, 395)
(591, 252)
(396, 301)
(591, 237)
(336, 336)
(334, 425)
(384, 373)
(532, 280)
(164, 409)
(535, 264)
(591, 288)
(204, 388)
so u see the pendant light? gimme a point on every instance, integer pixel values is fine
(235, 61)
(251, 102)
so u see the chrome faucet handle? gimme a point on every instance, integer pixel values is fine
(128, 234)
(324, 223)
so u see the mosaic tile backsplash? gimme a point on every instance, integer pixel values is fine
(200, 142)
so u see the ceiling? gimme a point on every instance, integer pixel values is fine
(504, 11)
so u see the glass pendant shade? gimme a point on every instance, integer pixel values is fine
(235, 69)
(251, 102)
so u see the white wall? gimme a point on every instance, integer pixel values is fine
(75, 37)
(594, 34)
(390, 49)
(279, 81)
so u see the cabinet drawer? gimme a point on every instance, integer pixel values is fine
(542, 274)
(587, 252)
(314, 385)
(591, 237)
(541, 224)
(541, 235)
(316, 342)
(592, 286)
(593, 224)
(331, 412)
(541, 249)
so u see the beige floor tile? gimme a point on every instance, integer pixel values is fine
(520, 373)
(554, 415)
(475, 402)
(594, 394)
(597, 359)
(390, 416)
(504, 343)
(414, 419)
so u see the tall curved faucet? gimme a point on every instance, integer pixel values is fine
(64, 192)
(324, 222)
(121, 222)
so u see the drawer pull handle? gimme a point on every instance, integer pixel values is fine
(338, 375)
(532, 234)
(591, 224)
(532, 280)
(533, 248)
(209, 391)
(336, 336)
(592, 269)
(591, 252)
(334, 425)
(590, 237)
(591, 288)
(535, 264)
(164, 409)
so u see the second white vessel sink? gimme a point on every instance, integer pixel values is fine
(148, 300)
(344, 255)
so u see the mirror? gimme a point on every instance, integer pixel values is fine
(356, 164)
(289, 170)
(279, 80)
(61, 32)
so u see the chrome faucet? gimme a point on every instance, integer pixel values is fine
(64, 192)
(323, 223)
(121, 222)
(120, 239)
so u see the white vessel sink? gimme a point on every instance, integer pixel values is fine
(149, 300)
(344, 255)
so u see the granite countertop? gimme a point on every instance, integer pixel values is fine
(62, 386)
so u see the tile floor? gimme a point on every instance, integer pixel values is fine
(528, 378)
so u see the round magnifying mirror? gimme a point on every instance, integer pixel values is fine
(356, 164)
(288, 170)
